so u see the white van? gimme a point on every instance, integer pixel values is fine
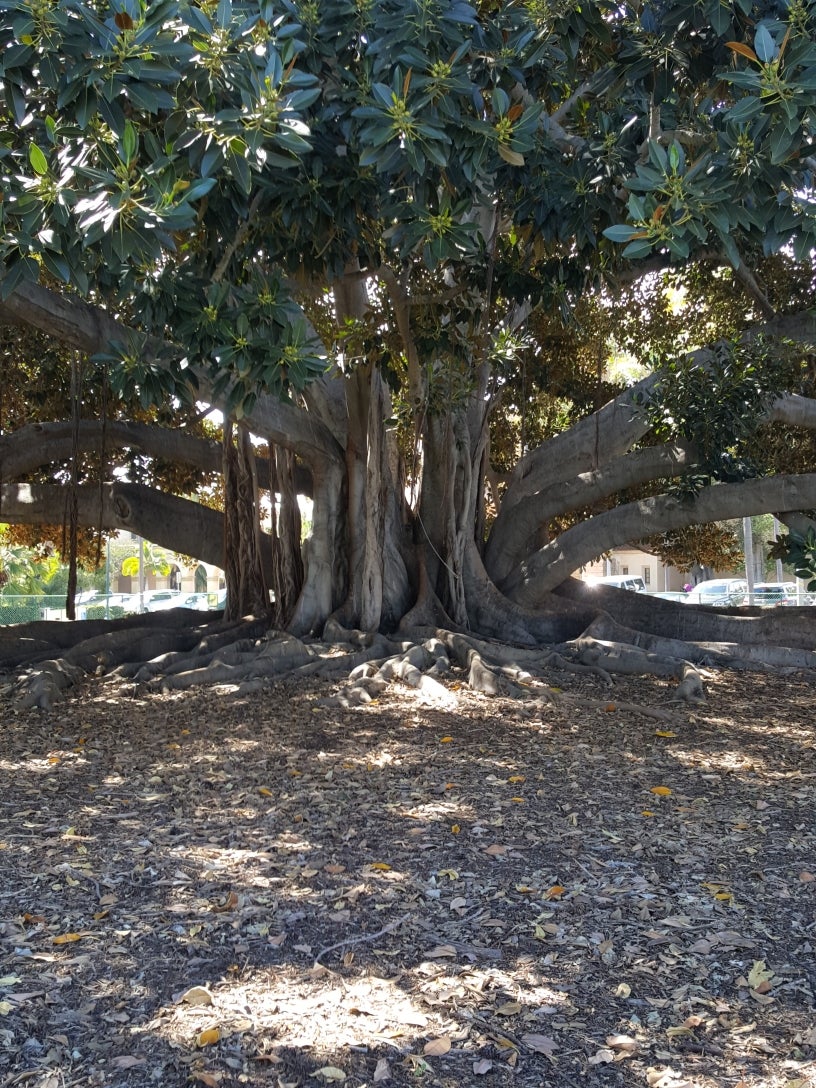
(721, 592)
(620, 581)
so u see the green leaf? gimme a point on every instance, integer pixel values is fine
(764, 45)
(781, 142)
(510, 156)
(501, 102)
(621, 232)
(39, 163)
(745, 109)
(640, 248)
(130, 143)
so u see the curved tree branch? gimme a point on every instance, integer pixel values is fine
(514, 538)
(178, 524)
(580, 545)
(37, 444)
(91, 329)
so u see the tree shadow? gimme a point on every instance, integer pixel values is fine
(501, 878)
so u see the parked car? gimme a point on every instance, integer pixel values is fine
(202, 602)
(127, 601)
(620, 581)
(773, 594)
(671, 595)
(718, 592)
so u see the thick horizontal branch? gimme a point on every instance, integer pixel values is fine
(513, 539)
(177, 524)
(37, 444)
(91, 329)
(552, 564)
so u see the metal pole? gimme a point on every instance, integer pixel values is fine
(107, 579)
(779, 573)
(748, 544)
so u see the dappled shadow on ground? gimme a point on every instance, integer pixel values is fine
(199, 889)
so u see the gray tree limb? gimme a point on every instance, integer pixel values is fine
(178, 524)
(552, 564)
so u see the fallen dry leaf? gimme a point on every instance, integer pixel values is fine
(211, 1080)
(208, 1037)
(602, 1057)
(435, 1048)
(126, 1061)
(382, 1071)
(541, 1044)
(197, 995)
(230, 903)
(624, 1044)
(330, 1073)
(442, 951)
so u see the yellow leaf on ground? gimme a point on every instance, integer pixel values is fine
(265, 791)
(555, 892)
(664, 733)
(660, 791)
(758, 974)
(517, 778)
(208, 1037)
(381, 866)
(455, 829)
(647, 812)
(446, 740)
(67, 938)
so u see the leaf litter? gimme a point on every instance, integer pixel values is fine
(270, 891)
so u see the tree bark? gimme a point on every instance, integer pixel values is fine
(553, 563)
(177, 524)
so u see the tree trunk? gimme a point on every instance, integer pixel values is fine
(247, 592)
(285, 533)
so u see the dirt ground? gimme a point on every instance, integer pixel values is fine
(204, 890)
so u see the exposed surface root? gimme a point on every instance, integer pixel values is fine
(175, 651)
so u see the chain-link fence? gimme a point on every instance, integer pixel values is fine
(27, 608)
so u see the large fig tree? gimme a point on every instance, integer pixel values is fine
(368, 231)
